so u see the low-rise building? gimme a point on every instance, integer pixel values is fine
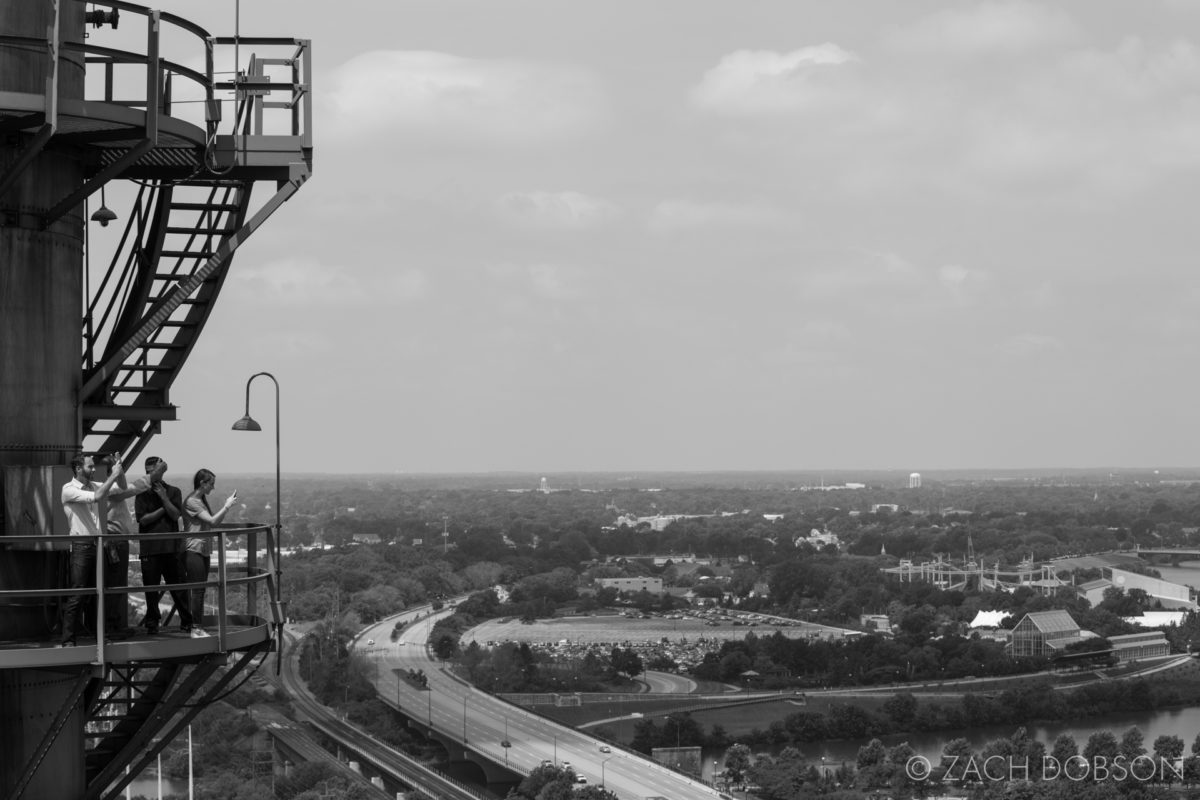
(1093, 591)
(649, 584)
(1044, 633)
(1133, 646)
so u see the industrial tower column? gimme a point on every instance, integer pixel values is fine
(41, 301)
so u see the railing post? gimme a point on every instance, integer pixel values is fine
(251, 565)
(222, 587)
(99, 557)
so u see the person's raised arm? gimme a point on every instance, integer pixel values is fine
(202, 513)
(114, 473)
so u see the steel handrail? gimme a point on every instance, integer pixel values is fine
(222, 582)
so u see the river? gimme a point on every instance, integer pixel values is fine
(1181, 722)
(1187, 573)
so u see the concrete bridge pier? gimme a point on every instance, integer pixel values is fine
(460, 754)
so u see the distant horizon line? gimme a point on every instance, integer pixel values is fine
(764, 471)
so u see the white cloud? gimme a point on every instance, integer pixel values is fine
(1090, 121)
(555, 210)
(299, 282)
(292, 343)
(304, 283)
(863, 272)
(765, 81)
(444, 98)
(554, 282)
(962, 284)
(986, 29)
(402, 285)
(1030, 344)
(675, 215)
(548, 281)
(953, 274)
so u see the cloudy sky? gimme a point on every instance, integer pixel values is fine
(689, 234)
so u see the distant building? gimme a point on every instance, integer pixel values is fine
(877, 507)
(875, 622)
(1133, 646)
(1170, 595)
(659, 522)
(651, 585)
(1093, 591)
(914, 480)
(1044, 633)
(818, 539)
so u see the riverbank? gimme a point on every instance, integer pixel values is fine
(935, 716)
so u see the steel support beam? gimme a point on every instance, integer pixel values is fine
(60, 719)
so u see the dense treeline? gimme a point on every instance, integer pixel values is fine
(1105, 767)
(549, 782)
(904, 713)
(862, 660)
(512, 667)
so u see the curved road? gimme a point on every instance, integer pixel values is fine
(668, 683)
(458, 710)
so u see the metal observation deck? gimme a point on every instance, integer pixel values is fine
(179, 126)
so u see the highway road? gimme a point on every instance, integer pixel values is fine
(398, 766)
(462, 712)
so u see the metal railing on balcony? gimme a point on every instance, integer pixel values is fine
(233, 585)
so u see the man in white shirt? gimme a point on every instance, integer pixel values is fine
(86, 506)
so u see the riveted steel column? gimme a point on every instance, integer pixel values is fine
(41, 300)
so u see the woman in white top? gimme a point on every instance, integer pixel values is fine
(199, 517)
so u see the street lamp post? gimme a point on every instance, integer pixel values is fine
(602, 766)
(505, 743)
(247, 423)
(464, 719)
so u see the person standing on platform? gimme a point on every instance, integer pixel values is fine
(81, 497)
(198, 518)
(159, 511)
(116, 554)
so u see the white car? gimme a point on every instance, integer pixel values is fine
(605, 748)
(370, 642)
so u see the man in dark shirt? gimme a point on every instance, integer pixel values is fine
(158, 511)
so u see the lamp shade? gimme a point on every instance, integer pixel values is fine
(103, 215)
(247, 423)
